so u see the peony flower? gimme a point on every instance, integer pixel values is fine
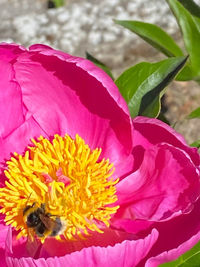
(82, 184)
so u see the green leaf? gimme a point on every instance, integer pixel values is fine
(197, 22)
(194, 114)
(191, 34)
(185, 259)
(143, 85)
(57, 3)
(196, 144)
(194, 10)
(186, 74)
(99, 64)
(162, 117)
(193, 261)
(153, 35)
(191, 6)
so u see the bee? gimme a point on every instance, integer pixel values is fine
(44, 224)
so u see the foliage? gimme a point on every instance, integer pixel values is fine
(56, 3)
(143, 85)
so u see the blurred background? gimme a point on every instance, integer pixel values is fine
(79, 26)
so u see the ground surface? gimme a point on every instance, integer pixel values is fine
(82, 26)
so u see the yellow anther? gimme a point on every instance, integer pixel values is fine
(68, 179)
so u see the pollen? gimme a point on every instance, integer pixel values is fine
(67, 178)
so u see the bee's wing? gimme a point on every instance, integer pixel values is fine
(47, 221)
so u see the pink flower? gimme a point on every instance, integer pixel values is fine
(147, 217)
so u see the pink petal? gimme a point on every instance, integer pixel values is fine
(89, 105)
(88, 66)
(173, 254)
(2, 258)
(110, 237)
(3, 235)
(127, 253)
(9, 52)
(11, 106)
(131, 225)
(3, 231)
(166, 183)
(17, 142)
(40, 47)
(19, 248)
(152, 131)
(175, 237)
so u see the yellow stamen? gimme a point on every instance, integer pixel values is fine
(68, 178)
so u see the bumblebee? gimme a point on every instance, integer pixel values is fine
(44, 224)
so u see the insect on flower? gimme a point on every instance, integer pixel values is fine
(44, 224)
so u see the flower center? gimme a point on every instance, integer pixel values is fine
(58, 188)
